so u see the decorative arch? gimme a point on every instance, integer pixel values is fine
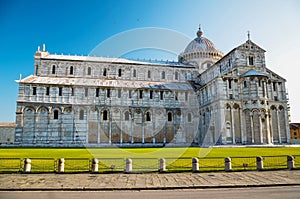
(42, 108)
(236, 106)
(27, 108)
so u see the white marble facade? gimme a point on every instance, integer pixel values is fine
(205, 98)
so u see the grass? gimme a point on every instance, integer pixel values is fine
(145, 152)
(78, 159)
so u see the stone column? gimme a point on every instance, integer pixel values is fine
(110, 123)
(121, 124)
(128, 165)
(153, 128)
(165, 131)
(73, 126)
(228, 166)
(143, 126)
(34, 126)
(286, 118)
(195, 164)
(278, 126)
(27, 165)
(61, 165)
(131, 127)
(162, 165)
(259, 163)
(268, 129)
(232, 125)
(261, 130)
(252, 127)
(243, 131)
(174, 125)
(257, 88)
(99, 127)
(62, 130)
(271, 127)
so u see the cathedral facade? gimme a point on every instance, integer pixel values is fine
(205, 98)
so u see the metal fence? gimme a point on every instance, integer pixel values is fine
(142, 165)
(42, 165)
(77, 165)
(10, 165)
(111, 165)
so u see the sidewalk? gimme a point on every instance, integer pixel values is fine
(120, 181)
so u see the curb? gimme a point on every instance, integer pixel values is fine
(148, 188)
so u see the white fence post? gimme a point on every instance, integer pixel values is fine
(228, 166)
(162, 165)
(259, 163)
(95, 166)
(61, 165)
(128, 165)
(195, 164)
(290, 162)
(27, 165)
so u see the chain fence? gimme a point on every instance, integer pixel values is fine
(142, 165)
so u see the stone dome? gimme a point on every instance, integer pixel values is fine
(201, 44)
(200, 48)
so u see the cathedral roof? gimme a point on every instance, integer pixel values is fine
(113, 60)
(253, 72)
(180, 86)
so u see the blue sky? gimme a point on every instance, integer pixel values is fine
(77, 27)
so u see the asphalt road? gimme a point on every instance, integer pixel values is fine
(286, 192)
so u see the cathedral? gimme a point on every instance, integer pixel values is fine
(203, 99)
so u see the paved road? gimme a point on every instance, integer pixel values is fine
(286, 192)
(121, 181)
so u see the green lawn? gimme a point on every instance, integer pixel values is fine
(144, 152)
(144, 159)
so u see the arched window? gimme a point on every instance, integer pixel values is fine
(149, 74)
(251, 60)
(189, 117)
(36, 70)
(89, 71)
(134, 73)
(176, 75)
(120, 72)
(55, 114)
(169, 117)
(245, 84)
(163, 75)
(141, 94)
(53, 69)
(104, 115)
(126, 116)
(148, 116)
(229, 83)
(71, 70)
(81, 115)
(104, 72)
